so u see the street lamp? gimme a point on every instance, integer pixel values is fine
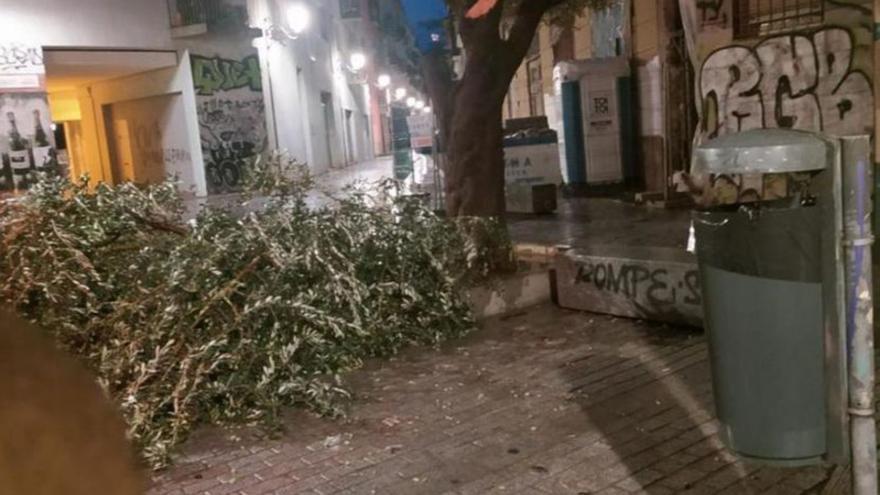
(357, 61)
(420, 105)
(383, 81)
(427, 110)
(299, 17)
(399, 94)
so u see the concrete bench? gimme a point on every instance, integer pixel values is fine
(657, 284)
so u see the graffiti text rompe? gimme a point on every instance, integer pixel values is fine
(220, 74)
(656, 287)
(797, 81)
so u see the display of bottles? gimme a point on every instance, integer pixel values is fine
(41, 140)
(16, 143)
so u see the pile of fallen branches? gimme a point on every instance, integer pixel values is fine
(230, 317)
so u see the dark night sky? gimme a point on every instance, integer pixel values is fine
(421, 11)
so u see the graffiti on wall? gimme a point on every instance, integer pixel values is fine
(232, 132)
(20, 59)
(713, 13)
(661, 290)
(797, 81)
(651, 286)
(150, 145)
(231, 114)
(216, 74)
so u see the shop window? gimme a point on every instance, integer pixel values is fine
(754, 18)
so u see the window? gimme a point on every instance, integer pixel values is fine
(754, 18)
(349, 9)
(564, 47)
(536, 87)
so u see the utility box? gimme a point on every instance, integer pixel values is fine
(531, 170)
(597, 143)
(772, 280)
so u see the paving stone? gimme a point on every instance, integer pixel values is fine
(552, 402)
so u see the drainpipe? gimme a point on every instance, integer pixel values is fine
(858, 240)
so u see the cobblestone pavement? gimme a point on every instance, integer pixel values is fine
(543, 402)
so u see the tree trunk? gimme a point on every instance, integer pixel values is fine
(475, 173)
(475, 169)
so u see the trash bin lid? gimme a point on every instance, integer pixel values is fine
(762, 151)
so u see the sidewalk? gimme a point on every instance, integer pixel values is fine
(578, 222)
(544, 402)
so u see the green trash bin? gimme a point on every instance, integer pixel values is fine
(762, 282)
(767, 309)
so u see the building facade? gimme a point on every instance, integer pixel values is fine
(702, 69)
(190, 88)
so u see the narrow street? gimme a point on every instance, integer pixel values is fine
(547, 401)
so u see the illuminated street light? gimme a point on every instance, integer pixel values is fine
(426, 110)
(384, 81)
(357, 61)
(420, 105)
(411, 102)
(299, 17)
(399, 94)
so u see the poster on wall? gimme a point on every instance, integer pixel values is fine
(26, 139)
(421, 130)
(232, 116)
(27, 143)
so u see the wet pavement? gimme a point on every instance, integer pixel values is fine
(545, 401)
(582, 222)
(578, 222)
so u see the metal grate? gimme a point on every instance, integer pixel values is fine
(186, 12)
(754, 18)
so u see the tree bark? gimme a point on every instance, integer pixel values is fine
(472, 108)
(475, 174)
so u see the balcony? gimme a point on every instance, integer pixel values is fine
(197, 17)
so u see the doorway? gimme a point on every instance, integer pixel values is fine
(329, 124)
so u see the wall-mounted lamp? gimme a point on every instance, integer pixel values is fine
(357, 61)
(299, 18)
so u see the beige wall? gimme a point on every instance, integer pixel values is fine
(96, 99)
(645, 32)
(517, 103)
(148, 140)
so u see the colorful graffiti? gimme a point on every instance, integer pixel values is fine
(793, 81)
(216, 74)
(231, 114)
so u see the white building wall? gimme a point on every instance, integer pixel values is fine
(96, 98)
(86, 23)
(300, 71)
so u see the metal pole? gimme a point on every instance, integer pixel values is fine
(858, 239)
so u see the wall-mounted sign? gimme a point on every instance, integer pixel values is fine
(401, 144)
(22, 69)
(601, 110)
(421, 131)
